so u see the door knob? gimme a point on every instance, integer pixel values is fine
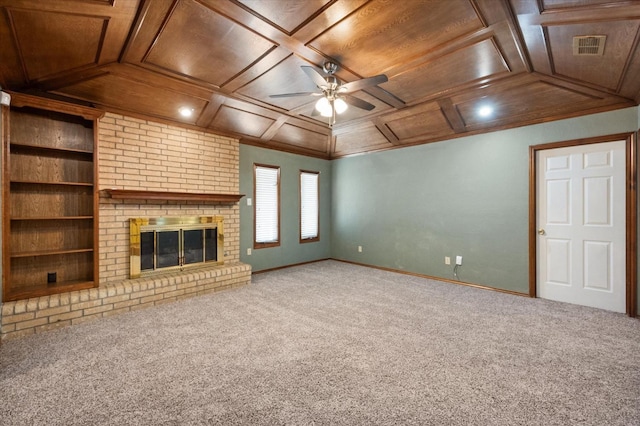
(541, 231)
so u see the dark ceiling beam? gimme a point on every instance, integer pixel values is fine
(273, 129)
(143, 10)
(73, 77)
(386, 132)
(517, 35)
(274, 57)
(210, 111)
(452, 115)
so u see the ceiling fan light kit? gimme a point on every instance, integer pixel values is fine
(340, 105)
(325, 107)
(335, 94)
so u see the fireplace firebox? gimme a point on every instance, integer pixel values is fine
(174, 243)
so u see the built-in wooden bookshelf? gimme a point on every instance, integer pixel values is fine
(50, 199)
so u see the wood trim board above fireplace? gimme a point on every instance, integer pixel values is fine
(131, 194)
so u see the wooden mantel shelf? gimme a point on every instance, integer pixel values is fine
(131, 194)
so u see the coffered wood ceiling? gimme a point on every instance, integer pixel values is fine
(223, 58)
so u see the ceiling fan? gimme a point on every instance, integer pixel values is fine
(335, 94)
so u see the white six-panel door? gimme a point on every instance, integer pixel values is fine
(581, 225)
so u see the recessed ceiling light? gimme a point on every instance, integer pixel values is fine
(186, 112)
(485, 111)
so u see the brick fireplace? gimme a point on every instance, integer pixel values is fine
(141, 155)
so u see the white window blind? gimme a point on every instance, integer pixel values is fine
(308, 205)
(267, 204)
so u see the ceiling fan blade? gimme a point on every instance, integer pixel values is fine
(314, 75)
(358, 103)
(361, 84)
(291, 95)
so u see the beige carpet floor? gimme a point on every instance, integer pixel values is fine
(331, 343)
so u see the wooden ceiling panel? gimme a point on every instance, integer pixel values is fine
(426, 121)
(299, 136)
(130, 95)
(392, 32)
(526, 100)
(57, 39)
(224, 58)
(286, 77)
(359, 138)
(242, 122)
(604, 71)
(476, 61)
(195, 38)
(286, 15)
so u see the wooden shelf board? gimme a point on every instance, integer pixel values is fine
(54, 218)
(22, 182)
(129, 194)
(20, 145)
(50, 252)
(26, 292)
(23, 99)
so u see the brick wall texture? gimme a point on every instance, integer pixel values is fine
(144, 155)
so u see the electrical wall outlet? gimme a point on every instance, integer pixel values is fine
(248, 252)
(458, 260)
(359, 249)
(447, 260)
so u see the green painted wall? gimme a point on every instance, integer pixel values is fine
(290, 250)
(409, 208)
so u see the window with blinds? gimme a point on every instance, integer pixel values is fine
(309, 206)
(266, 206)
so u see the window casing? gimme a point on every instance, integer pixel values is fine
(266, 196)
(309, 206)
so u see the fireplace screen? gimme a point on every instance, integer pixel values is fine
(175, 243)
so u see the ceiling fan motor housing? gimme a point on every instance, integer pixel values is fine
(330, 67)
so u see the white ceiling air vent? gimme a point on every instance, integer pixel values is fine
(591, 45)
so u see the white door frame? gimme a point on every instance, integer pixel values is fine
(631, 211)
